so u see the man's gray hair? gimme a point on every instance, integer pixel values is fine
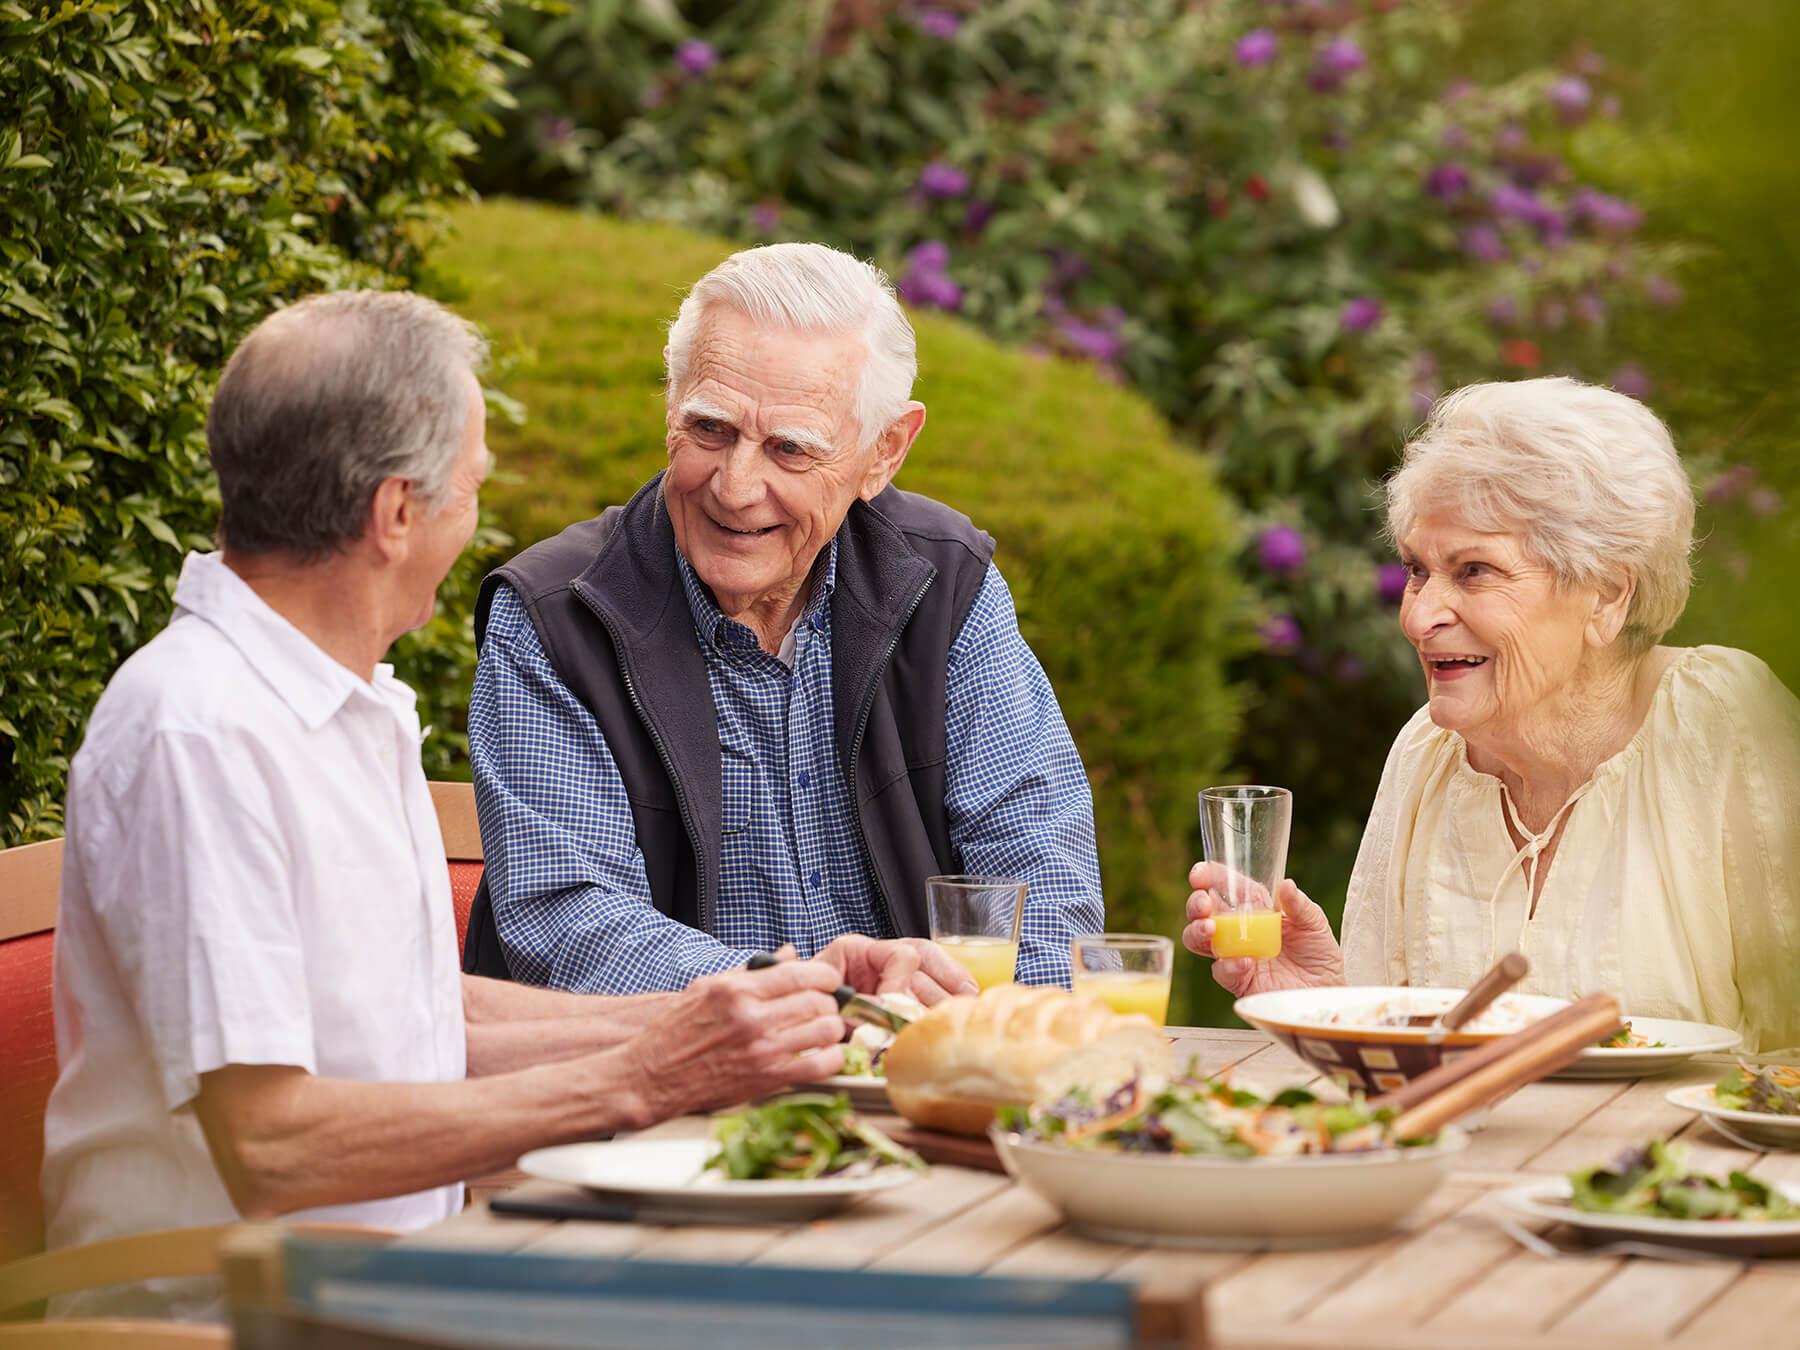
(324, 400)
(811, 288)
(1588, 477)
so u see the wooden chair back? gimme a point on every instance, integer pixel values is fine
(455, 803)
(294, 1292)
(29, 877)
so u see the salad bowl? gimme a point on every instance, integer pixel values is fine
(1322, 1200)
(1335, 1029)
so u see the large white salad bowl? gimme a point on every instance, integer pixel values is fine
(1327, 1200)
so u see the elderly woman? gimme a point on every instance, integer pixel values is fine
(1626, 814)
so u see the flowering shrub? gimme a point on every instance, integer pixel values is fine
(1277, 218)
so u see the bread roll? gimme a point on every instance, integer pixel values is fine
(970, 1055)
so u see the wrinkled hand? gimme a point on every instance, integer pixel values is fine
(741, 1035)
(1310, 955)
(903, 965)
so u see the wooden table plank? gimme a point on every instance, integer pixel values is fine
(1652, 1300)
(980, 1237)
(861, 1234)
(1762, 1308)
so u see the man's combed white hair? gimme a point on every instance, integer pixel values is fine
(1586, 476)
(811, 288)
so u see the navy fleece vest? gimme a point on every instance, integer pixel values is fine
(606, 600)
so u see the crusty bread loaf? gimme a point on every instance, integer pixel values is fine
(952, 1068)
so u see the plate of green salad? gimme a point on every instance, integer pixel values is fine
(1759, 1102)
(1647, 1045)
(1201, 1163)
(791, 1158)
(1649, 1194)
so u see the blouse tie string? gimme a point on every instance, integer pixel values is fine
(1526, 860)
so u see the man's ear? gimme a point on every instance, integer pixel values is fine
(1612, 605)
(394, 512)
(890, 450)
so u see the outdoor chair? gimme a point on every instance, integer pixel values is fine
(294, 1292)
(29, 877)
(455, 803)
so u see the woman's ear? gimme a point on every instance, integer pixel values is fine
(1612, 605)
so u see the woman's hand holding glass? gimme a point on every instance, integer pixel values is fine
(1310, 955)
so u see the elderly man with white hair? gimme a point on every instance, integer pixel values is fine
(762, 702)
(1619, 810)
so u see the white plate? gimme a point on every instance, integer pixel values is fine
(866, 1094)
(1681, 1040)
(1333, 1200)
(1549, 1199)
(667, 1177)
(1759, 1127)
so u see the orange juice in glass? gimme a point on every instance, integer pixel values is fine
(1129, 971)
(1244, 828)
(976, 920)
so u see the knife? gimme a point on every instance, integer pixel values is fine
(851, 1004)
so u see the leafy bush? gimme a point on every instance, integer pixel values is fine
(1274, 219)
(1115, 541)
(168, 173)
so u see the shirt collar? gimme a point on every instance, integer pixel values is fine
(299, 671)
(721, 634)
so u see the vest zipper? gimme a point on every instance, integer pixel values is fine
(862, 726)
(662, 751)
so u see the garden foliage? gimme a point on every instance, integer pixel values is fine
(170, 171)
(1115, 540)
(1281, 221)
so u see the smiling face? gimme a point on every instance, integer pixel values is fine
(1501, 638)
(765, 458)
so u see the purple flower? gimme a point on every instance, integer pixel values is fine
(1257, 47)
(1281, 548)
(1447, 179)
(1661, 291)
(1609, 106)
(1349, 669)
(1765, 501)
(939, 23)
(1456, 91)
(555, 130)
(1509, 199)
(1483, 243)
(653, 95)
(1454, 138)
(1336, 61)
(975, 219)
(1510, 137)
(1066, 267)
(934, 289)
(1360, 314)
(1503, 311)
(1738, 479)
(765, 217)
(1552, 314)
(1590, 309)
(1390, 582)
(931, 256)
(696, 57)
(1280, 635)
(1632, 379)
(942, 179)
(1607, 214)
(1571, 96)
(1091, 340)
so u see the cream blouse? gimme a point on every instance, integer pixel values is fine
(1676, 884)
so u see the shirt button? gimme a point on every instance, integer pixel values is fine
(814, 880)
(805, 779)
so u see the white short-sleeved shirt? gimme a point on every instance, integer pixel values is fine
(1676, 884)
(253, 874)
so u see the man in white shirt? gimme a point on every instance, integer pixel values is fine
(259, 1008)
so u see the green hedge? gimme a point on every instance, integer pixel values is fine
(1116, 542)
(168, 173)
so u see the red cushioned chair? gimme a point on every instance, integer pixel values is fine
(455, 804)
(29, 876)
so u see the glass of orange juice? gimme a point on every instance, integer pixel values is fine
(1130, 971)
(976, 920)
(1245, 829)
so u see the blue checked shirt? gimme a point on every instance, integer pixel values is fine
(571, 897)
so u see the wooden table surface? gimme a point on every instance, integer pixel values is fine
(1447, 1277)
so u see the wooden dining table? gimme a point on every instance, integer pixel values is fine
(1448, 1275)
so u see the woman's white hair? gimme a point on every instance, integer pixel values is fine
(811, 288)
(1585, 475)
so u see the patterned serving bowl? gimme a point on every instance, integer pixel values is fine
(1315, 1025)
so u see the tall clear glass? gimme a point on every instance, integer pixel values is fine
(1245, 828)
(976, 920)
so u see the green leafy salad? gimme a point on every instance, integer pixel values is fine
(1208, 1117)
(1653, 1182)
(1774, 1091)
(800, 1137)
